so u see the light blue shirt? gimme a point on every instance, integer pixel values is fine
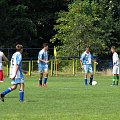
(42, 55)
(86, 58)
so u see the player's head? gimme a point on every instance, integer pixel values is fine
(45, 46)
(87, 49)
(19, 48)
(113, 49)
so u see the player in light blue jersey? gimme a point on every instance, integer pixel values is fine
(86, 64)
(43, 64)
(16, 75)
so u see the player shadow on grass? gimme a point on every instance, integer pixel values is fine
(32, 101)
(26, 100)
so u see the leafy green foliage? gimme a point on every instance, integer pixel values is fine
(29, 22)
(86, 24)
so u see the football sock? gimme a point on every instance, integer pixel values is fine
(6, 91)
(91, 79)
(117, 79)
(85, 81)
(21, 94)
(40, 81)
(114, 77)
(45, 80)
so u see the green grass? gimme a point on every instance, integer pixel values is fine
(65, 98)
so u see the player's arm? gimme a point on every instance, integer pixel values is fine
(24, 71)
(81, 64)
(40, 59)
(95, 61)
(16, 69)
(5, 58)
(116, 60)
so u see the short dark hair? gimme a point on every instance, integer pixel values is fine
(113, 47)
(45, 44)
(19, 47)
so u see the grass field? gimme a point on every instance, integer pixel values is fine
(65, 98)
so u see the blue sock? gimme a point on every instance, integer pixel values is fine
(45, 80)
(6, 91)
(91, 79)
(21, 93)
(85, 81)
(40, 81)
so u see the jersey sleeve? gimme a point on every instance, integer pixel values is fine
(18, 59)
(40, 55)
(82, 57)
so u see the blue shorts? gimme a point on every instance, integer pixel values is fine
(88, 68)
(17, 81)
(42, 68)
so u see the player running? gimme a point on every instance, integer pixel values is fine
(116, 66)
(86, 64)
(16, 74)
(43, 64)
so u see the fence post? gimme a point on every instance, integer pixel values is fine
(74, 66)
(30, 63)
(52, 66)
(7, 69)
(95, 67)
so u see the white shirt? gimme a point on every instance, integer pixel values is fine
(16, 60)
(115, 59)
(1, 55)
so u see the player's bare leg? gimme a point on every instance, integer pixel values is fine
(2, 95)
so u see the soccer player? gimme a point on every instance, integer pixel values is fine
(16, 74)
(116, 66)
(86, 64)
(2, 56)
(43, 64)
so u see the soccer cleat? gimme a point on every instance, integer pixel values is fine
(90, 83)
(2, 97)
(21, 101)
(112, 85)
(44, 85)
(40, 85)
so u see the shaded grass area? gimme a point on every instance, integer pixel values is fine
(65, 98)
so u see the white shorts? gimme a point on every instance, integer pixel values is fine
(42, 68)
(116, 69)
(17, 81)
(88, 68)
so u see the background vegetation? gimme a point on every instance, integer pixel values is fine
(67, 24)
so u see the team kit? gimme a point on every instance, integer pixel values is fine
(17, 77)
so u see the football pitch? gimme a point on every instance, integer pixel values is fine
(65, 98)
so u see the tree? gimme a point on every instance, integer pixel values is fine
(77, 28)
(88, 23)
(29, 22)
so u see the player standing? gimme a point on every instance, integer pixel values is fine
(43, 64)
(116, 66)
(2, 56)
(86, 64)
(16, 74)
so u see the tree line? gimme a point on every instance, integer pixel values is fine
(68, 24)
